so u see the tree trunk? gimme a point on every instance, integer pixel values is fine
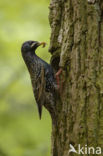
(76, 46)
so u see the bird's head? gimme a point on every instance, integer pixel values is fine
(30, 46)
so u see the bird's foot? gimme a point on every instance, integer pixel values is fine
(57, 77)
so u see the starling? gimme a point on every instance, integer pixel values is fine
(42, 75)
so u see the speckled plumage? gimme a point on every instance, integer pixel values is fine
(42, 76)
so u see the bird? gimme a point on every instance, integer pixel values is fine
(42, 76)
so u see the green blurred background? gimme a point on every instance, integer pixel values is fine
(21, 131)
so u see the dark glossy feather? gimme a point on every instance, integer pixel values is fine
(42, 77)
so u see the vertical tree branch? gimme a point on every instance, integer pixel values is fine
(76, 46)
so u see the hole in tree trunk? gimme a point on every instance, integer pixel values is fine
(55, 63)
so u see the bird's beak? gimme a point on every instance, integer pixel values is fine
(32, 45)
(38, 44)
(42, 43)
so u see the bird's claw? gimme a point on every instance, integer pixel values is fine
(57, 78)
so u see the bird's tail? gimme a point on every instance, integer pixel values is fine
(40, 110)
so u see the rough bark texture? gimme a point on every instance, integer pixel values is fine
(77, 46)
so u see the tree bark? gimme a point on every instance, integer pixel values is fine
(76, 46)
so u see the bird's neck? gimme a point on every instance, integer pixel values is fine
(33, 54)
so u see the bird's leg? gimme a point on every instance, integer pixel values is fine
(57, 77)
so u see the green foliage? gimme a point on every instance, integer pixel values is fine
(21, 131)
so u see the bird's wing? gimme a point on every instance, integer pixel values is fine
(50, 81)
(39, 91)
